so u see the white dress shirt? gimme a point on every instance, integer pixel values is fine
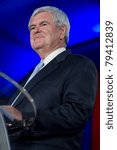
(52, 55)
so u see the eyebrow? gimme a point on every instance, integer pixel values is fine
(44, 21)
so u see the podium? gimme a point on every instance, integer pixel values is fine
(25, 124)
(4, 140)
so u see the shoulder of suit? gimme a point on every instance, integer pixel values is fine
(79, 62)
(79, 58)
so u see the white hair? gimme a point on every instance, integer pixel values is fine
(59, 17)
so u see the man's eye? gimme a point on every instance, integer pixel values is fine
(44, 24)
(32, 28)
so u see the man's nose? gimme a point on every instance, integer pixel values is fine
(37, 29)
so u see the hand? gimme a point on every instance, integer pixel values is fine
(13, 111)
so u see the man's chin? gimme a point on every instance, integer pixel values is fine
(38, 48)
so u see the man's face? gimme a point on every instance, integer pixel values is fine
(44, 34)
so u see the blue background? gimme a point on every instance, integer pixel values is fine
(17, 58)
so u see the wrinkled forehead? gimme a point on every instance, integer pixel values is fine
(40, 16)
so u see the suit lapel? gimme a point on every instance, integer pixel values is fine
(49, 68)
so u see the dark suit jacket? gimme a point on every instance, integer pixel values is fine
(64, 92)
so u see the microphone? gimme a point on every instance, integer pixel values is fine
(22, 90)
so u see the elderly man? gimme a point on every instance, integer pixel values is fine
(64, 88)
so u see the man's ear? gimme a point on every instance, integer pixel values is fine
(63, 30)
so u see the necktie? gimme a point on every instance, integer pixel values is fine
(36, 70)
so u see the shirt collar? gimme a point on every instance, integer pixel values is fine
(52, 55)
